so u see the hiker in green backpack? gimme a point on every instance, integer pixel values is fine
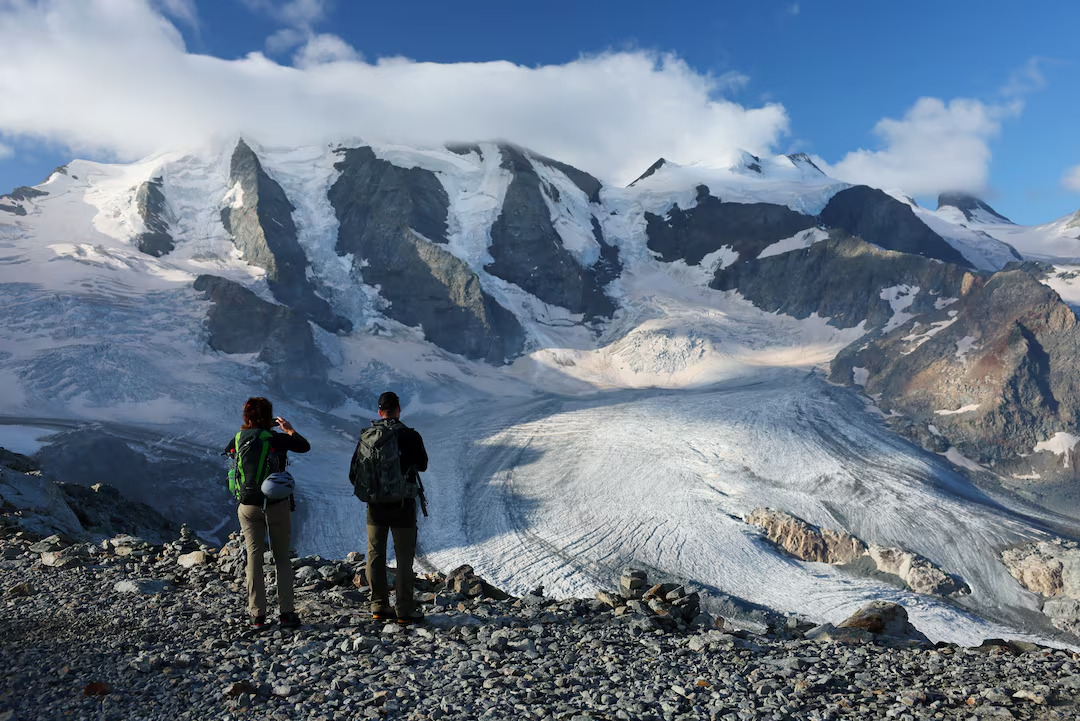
(385, 473)
(259, 453)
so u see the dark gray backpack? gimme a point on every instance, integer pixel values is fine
(375, 470)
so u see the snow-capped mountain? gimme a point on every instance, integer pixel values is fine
(602, 375)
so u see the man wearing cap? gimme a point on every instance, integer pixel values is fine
(397, 518)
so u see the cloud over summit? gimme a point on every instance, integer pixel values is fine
(115, 77)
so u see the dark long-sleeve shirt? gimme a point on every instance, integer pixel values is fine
(280, 445)
(414, 459)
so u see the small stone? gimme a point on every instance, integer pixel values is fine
(20, 589)
(195, 558)
(609, 599)
(142, 587)
(96, 688)
(282, 690)
(237, 688)
(1032, 696)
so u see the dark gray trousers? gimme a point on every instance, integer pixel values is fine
(404, 550)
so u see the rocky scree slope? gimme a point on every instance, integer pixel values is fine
(132, 629)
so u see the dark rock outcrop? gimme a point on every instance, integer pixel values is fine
(528, 251)
(154, 210)
(650, 170)
(878, 218)
(748, 228)
(804, 159)
(113, 484)
(587, 183)
(968, 204)
(241, 322)
(17, 197)
(394, 219)
(263, 229)
(841, 278)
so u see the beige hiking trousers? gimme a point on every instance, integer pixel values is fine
(254, 522)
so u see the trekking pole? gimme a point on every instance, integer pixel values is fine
(422, 496)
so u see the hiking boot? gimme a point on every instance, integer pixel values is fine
(259, 622)
(416, 616)
(290, 619)
(384, 615)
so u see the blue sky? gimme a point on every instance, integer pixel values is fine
(919, 96)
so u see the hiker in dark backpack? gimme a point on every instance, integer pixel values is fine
(385, 473)
(258, 453)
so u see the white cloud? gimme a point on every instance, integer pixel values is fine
(6, 151)
(324, 48)
(936, 147)
(295, 13)
(1071, 179)
(182, 10)
(113, 76)
(1025, 80)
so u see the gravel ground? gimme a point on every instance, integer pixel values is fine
(122, 630)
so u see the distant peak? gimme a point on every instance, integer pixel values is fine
(747, 162)
(803, 160)
(651, 169)
(969, 205)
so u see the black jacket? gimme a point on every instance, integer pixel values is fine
(414, 457)
(280, 445)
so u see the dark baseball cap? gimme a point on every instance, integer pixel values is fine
(388, 401)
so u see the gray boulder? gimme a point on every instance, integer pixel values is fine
(878, 620)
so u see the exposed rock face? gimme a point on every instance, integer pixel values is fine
(45, 507)
(918, 573)
(994, 372)
(809, 543)
(805, 541)
(804, 282)
(804, 160)
(711, 224)
(260, 221)
(527, 249)
(16, 198)
(50, 512)
(1052, 570)
(393, 219)
(154, 210)
(1049, 568)
(650, 170)
(968, 204)
(241, 322)
(587, 183)
(878, 218)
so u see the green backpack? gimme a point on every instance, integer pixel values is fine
(252, 461)
(375, 470)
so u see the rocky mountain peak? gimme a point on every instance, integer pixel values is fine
(650, 170)
(970, 206)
